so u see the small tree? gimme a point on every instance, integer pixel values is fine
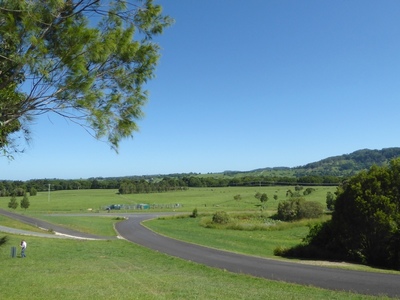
(264, 199)
(194, 213)
(289, 193)
(237, 197)
(257, 195)
(25, 202)
(13, 202)
(308, 191)
(275, 197)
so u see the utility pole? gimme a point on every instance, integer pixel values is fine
(48, 197)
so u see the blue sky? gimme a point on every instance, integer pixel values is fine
(244, 85)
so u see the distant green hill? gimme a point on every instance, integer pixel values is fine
(341, 165)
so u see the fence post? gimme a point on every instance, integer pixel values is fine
(13, 252)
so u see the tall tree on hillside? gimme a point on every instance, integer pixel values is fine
(85, 60)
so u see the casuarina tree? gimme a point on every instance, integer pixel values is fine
(85, 60)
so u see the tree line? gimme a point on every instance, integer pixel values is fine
(155, 184)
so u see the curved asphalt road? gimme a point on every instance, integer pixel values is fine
(58, 230)
(329, 278)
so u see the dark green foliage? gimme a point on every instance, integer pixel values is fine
(264, 198)
(33, 191)
(298, 208)
(330, 200)
(13, 202)
(237, 197)
(365, 225)
(220, 217)
(308, 191)
(194, 213)
(25, 202)
(3, 240)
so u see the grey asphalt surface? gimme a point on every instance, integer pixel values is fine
(329, 278)
(370, 283)
(58, 230)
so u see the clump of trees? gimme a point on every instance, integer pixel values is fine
(13, 204)
(298, 208)
(365, 224)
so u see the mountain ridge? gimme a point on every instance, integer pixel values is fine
(339, 165)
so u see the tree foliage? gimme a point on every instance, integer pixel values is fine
(220, 217)
(366, 218)
(85, 60)
(298, 208)
(25, 202)
(13, 204)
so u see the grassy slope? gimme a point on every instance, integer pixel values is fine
(69, 269)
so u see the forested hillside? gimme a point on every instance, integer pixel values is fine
(349, 164)
(339, 166)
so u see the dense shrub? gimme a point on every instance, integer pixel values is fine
(298, 208)
(220, 217)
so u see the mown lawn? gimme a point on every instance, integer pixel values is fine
(72, 269)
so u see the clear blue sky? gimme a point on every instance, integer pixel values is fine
(244, 85)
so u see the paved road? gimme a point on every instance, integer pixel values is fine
(328, 278)
(58, 230)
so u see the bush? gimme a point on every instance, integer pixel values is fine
(220, 217)
(298, 208)
(310, 210)
(194, 213)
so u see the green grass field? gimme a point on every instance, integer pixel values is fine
(206, 199)
(117, 269)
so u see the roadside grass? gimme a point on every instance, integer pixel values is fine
(253, 242)
(9, 222)
(98, 225)
(76, 269)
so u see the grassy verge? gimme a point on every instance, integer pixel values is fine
(70, 269)
(254, 242)
(103, 226)
(8, 222)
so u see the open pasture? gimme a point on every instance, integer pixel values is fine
(204, 199)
